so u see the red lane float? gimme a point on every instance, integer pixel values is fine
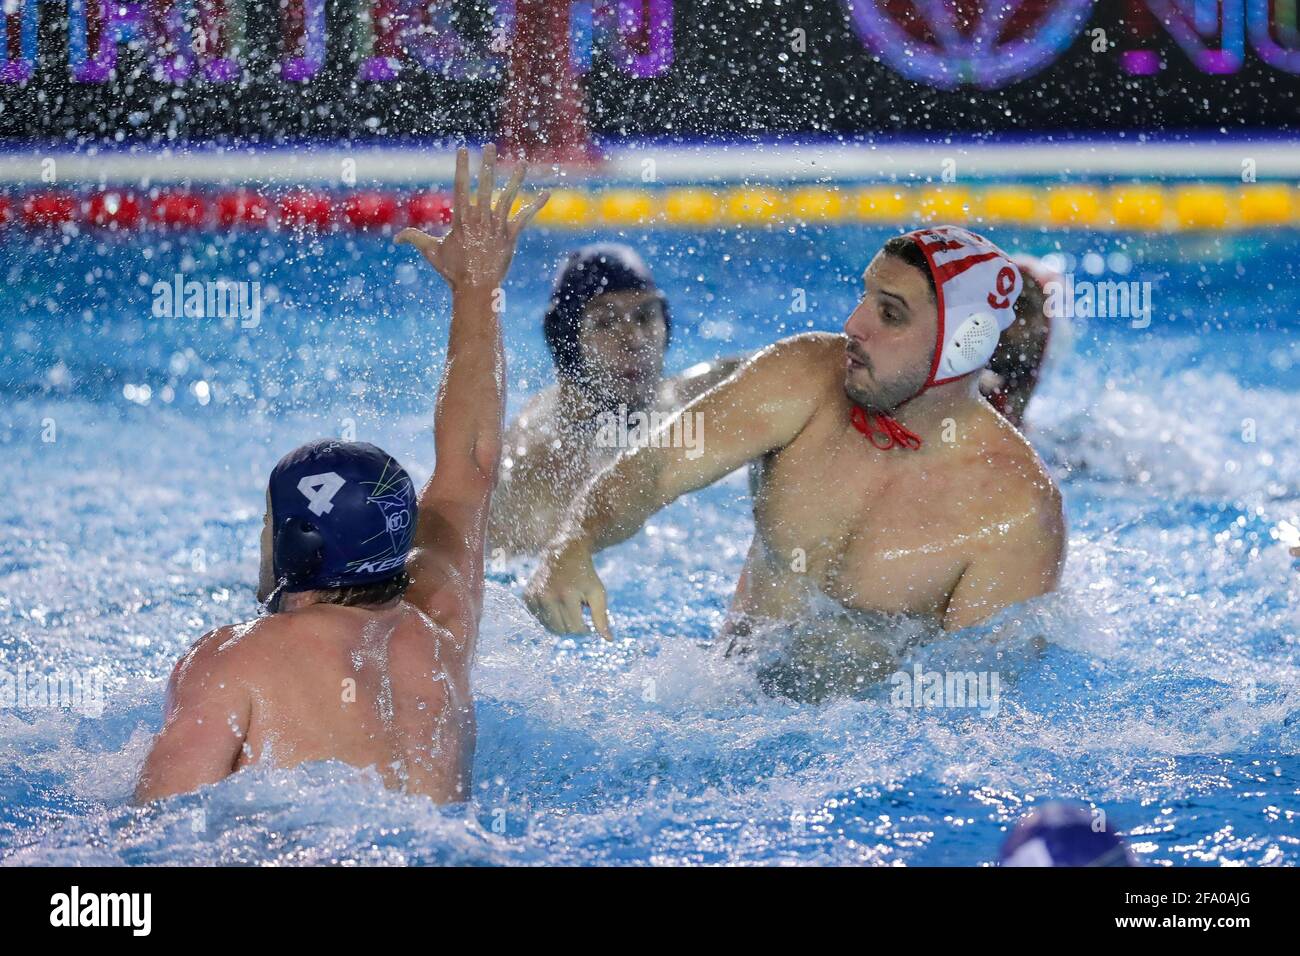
(113, 210)
(428, 209)
(306, 209)
(49, 209)
(365, 211)
(243, 207)
(370, 210)
(178, 210)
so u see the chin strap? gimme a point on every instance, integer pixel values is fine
(884, 431)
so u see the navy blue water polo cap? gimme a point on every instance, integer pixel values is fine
(343, 514)
(586, 273)
(1064, 834)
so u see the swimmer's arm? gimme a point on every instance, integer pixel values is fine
(205, 724)
(691, 384)
(453, 506)
(1022, 561)
(762, 407)
(447, 565)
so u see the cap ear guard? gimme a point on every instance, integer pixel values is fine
(298, 550)
(971, 345)
(976, 287)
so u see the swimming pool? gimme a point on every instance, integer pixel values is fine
(136, 451)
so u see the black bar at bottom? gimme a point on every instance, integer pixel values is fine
(334, 905)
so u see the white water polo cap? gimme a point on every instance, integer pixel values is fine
(976, 286)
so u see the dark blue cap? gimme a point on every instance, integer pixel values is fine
(1064, 834)
(342, 513)
(587, 273)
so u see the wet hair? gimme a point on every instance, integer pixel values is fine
(1033, 297)
(367, 595)
(909, 250)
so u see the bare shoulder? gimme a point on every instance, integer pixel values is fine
(444, 622)
(810, 359)
(814, 348)
(218, 660)
(214, 648)
(236, 644)
(1024, 468)
(537, 418)
(446, 640)
(1020, 483)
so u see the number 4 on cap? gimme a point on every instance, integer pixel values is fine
(319, 490)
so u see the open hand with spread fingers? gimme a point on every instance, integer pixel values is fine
(476, 252)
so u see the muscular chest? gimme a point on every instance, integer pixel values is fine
(879, 532)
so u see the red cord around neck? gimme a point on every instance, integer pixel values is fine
(884, 431)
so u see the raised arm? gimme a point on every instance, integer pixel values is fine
(761, 408)
(447, 565)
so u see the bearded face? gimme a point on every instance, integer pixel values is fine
(891, 336)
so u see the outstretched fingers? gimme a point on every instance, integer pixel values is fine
(527, 212)
(487, 181)
(460, 191)
(507, 200)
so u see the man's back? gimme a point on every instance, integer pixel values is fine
(372, 687)
(386, 688)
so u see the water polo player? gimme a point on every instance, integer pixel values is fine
(375, 593)
(607, 327)
(887, 485)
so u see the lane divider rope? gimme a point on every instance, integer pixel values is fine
(1140, 206)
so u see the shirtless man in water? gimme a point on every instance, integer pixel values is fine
(607, 327)
(375, 594)
(888, 486)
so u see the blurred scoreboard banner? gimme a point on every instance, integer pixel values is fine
(162, 70)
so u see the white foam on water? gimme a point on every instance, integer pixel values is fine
(1157, 676)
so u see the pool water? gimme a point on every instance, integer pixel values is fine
(135, 451)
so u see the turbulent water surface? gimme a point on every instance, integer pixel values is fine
(135, 451)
